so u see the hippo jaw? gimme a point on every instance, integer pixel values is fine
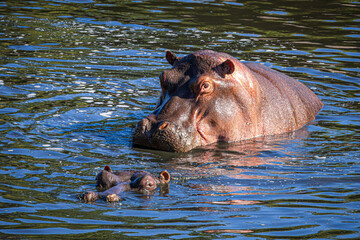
(165, 136)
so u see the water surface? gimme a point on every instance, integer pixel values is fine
(77, 75)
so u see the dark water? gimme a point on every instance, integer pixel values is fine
(76, 76)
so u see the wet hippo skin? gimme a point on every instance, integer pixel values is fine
(209, 97)
(115, 183)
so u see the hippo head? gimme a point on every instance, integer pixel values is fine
(199, 104)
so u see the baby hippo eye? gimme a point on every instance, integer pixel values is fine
(147, 183)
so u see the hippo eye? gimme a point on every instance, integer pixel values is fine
(206, 87)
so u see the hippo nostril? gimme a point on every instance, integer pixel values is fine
(163, 126)
(144, 124)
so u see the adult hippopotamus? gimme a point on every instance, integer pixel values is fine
(209, 97)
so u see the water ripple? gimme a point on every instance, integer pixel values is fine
(76, 76)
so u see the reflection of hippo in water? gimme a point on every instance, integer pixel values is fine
(209, 97)
(130, 180)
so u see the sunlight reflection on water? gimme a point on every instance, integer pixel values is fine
(76, 76)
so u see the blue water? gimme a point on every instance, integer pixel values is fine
(76, 76)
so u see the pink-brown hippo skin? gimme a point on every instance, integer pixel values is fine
(209, 97)
(117, 182)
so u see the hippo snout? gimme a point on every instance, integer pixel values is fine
(164, 135)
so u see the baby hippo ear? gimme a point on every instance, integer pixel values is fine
(171, 57)
(107, 168)
(164, 177)
(227, 67)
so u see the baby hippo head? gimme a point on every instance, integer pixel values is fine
(144, 181)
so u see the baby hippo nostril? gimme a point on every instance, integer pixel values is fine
(163, 125)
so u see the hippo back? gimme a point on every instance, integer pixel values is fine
(287, 104)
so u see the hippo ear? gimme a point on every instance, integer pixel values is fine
(171, 57)
(227, 67)
(107, 168)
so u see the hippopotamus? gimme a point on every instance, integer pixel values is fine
(208, 96)
(129, 180)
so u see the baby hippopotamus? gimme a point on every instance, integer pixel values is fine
(129, 180)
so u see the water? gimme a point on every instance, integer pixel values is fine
(76, 76)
